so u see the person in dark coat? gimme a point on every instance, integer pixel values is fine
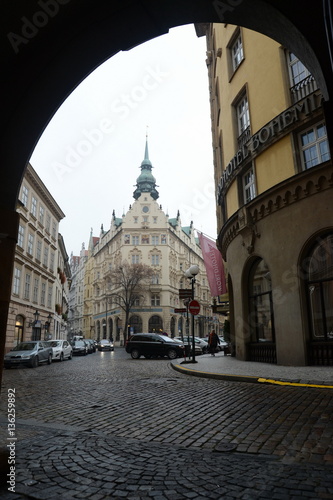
(213, 342)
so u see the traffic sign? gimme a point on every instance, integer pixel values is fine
(180, 310)
(185, 293)
(194, 307)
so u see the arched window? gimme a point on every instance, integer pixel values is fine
(155, 324)
(172, 326)
(118, 327)
(110, 328)
(135, 323)
(319, 285)
(180, 326)
(261, 304)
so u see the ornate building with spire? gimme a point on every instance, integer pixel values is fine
(144, 234)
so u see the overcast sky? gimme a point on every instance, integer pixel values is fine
(90, 153)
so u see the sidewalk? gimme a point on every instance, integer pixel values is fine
(228, 368)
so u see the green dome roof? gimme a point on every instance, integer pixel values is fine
(146, 182)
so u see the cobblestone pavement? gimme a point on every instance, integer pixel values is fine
(109, 427)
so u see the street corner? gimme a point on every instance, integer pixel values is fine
(197, 369)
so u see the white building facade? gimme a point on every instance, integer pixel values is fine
(32, 312)
(147, 235)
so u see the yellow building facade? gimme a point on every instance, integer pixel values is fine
(272, 166)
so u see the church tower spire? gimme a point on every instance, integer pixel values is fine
(146, 182)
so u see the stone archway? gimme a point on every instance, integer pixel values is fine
(40, 68)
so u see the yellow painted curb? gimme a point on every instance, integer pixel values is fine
(245, 378)
(296, 384)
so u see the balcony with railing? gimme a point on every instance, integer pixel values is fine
(244, 137)
(303, 88)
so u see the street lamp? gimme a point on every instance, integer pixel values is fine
(37, 325)
(191, 274)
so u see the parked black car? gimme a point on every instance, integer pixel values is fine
(151, 345)
(79, 348)
(91, 345)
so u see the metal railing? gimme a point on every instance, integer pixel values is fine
(303, 88)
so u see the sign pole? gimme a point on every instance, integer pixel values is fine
(193, 341)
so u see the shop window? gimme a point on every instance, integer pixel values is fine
(155, 324)
(19, 324)
(135, 324)
(319, 285)
(314, 146)
(261, 318)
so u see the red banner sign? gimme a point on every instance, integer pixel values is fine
(214, 266)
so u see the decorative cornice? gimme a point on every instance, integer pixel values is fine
(244, 221)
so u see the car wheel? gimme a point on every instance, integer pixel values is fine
(34, 362)
(147, 356)
(172, 354)
(49, 359)
(135, 353)
(61, 356)
(70, 356)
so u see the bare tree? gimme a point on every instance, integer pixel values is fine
(128, 285)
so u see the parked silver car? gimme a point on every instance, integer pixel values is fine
(189, 345)
(61, 349)
(29, 353)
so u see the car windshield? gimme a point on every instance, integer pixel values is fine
(54, 343)
(104, 342)
(165, 338)
(79, 343)
(25, 346)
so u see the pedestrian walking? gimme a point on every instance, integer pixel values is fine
(213, 342)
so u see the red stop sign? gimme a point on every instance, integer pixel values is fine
(194, 307)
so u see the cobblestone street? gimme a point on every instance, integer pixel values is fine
(106, 426)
